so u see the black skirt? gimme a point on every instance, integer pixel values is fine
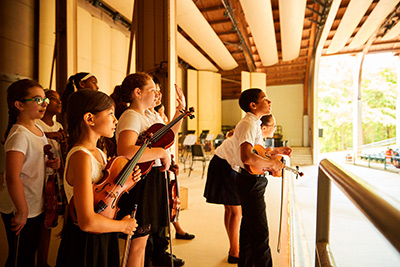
(83, 249)
(150, 194)
(221, 183)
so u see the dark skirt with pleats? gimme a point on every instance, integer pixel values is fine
(150, 194)
(83, 249)
(221, 183)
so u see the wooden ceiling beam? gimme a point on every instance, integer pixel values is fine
(226, 33)
(242, 30)
(284, 82)
(286, 71)
(211, 8)
(221, 21)
(294, 75)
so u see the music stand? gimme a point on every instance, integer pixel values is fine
(187, 144)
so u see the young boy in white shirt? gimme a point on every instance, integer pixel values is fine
(254, 234)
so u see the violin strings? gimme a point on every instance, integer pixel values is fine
(132, 164)
(164, 129)
(124, 176)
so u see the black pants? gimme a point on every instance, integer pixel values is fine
(157, 244)
(254, 234)
(29, 239)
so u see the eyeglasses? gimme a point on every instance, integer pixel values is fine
(38, 100)
(273, 125)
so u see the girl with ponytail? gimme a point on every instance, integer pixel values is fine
(76, 82)
(138, 94)
(90, 116)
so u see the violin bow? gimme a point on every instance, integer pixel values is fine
(16, 249)
(280, 215)
(167, 180)
(298, 173)
(128, 240)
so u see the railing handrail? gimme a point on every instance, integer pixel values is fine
(378, 207)
(386, 142)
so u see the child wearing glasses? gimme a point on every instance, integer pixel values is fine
(22, 199)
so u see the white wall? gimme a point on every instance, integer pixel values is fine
(209, 101)
(192, 99)
(231, 112)
(287, 107)
(204, 94)
(102, 50)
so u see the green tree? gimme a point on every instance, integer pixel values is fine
(336, 96)
(379, 94)
(335, 102)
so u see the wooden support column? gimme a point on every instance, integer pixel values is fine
(18, 53)
(61, 45)
(156, 45)
(357, 118)
(398, 105)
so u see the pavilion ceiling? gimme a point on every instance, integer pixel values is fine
(369, 25)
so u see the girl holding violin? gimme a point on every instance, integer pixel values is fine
(140, 92)
(93, 239)
(160, 110)
(22, 201)
(55, 135)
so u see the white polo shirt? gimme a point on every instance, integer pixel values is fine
(247, 130)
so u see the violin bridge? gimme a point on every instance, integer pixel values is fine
(111, 194)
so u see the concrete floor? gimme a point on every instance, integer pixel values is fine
(354, 241)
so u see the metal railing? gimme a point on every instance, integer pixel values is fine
(382, 143)
(376, 206)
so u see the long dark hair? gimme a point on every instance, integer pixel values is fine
(73, 82)
(122, 94)
(81, 102)
(17, 91)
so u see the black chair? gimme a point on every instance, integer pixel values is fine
(218, 140)
(203, 136)
(198, 154)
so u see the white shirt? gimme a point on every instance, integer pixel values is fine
(55, 146)
(97, 169)
(55, 128)
(33, 169)
(247, 130)
(134, 121)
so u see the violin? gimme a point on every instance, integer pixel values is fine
(117, 180)
(51, 192)
(61, 137)
(265, 153)
(162, 136)
(174, 201)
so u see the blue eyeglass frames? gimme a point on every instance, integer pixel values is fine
(38, 100)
